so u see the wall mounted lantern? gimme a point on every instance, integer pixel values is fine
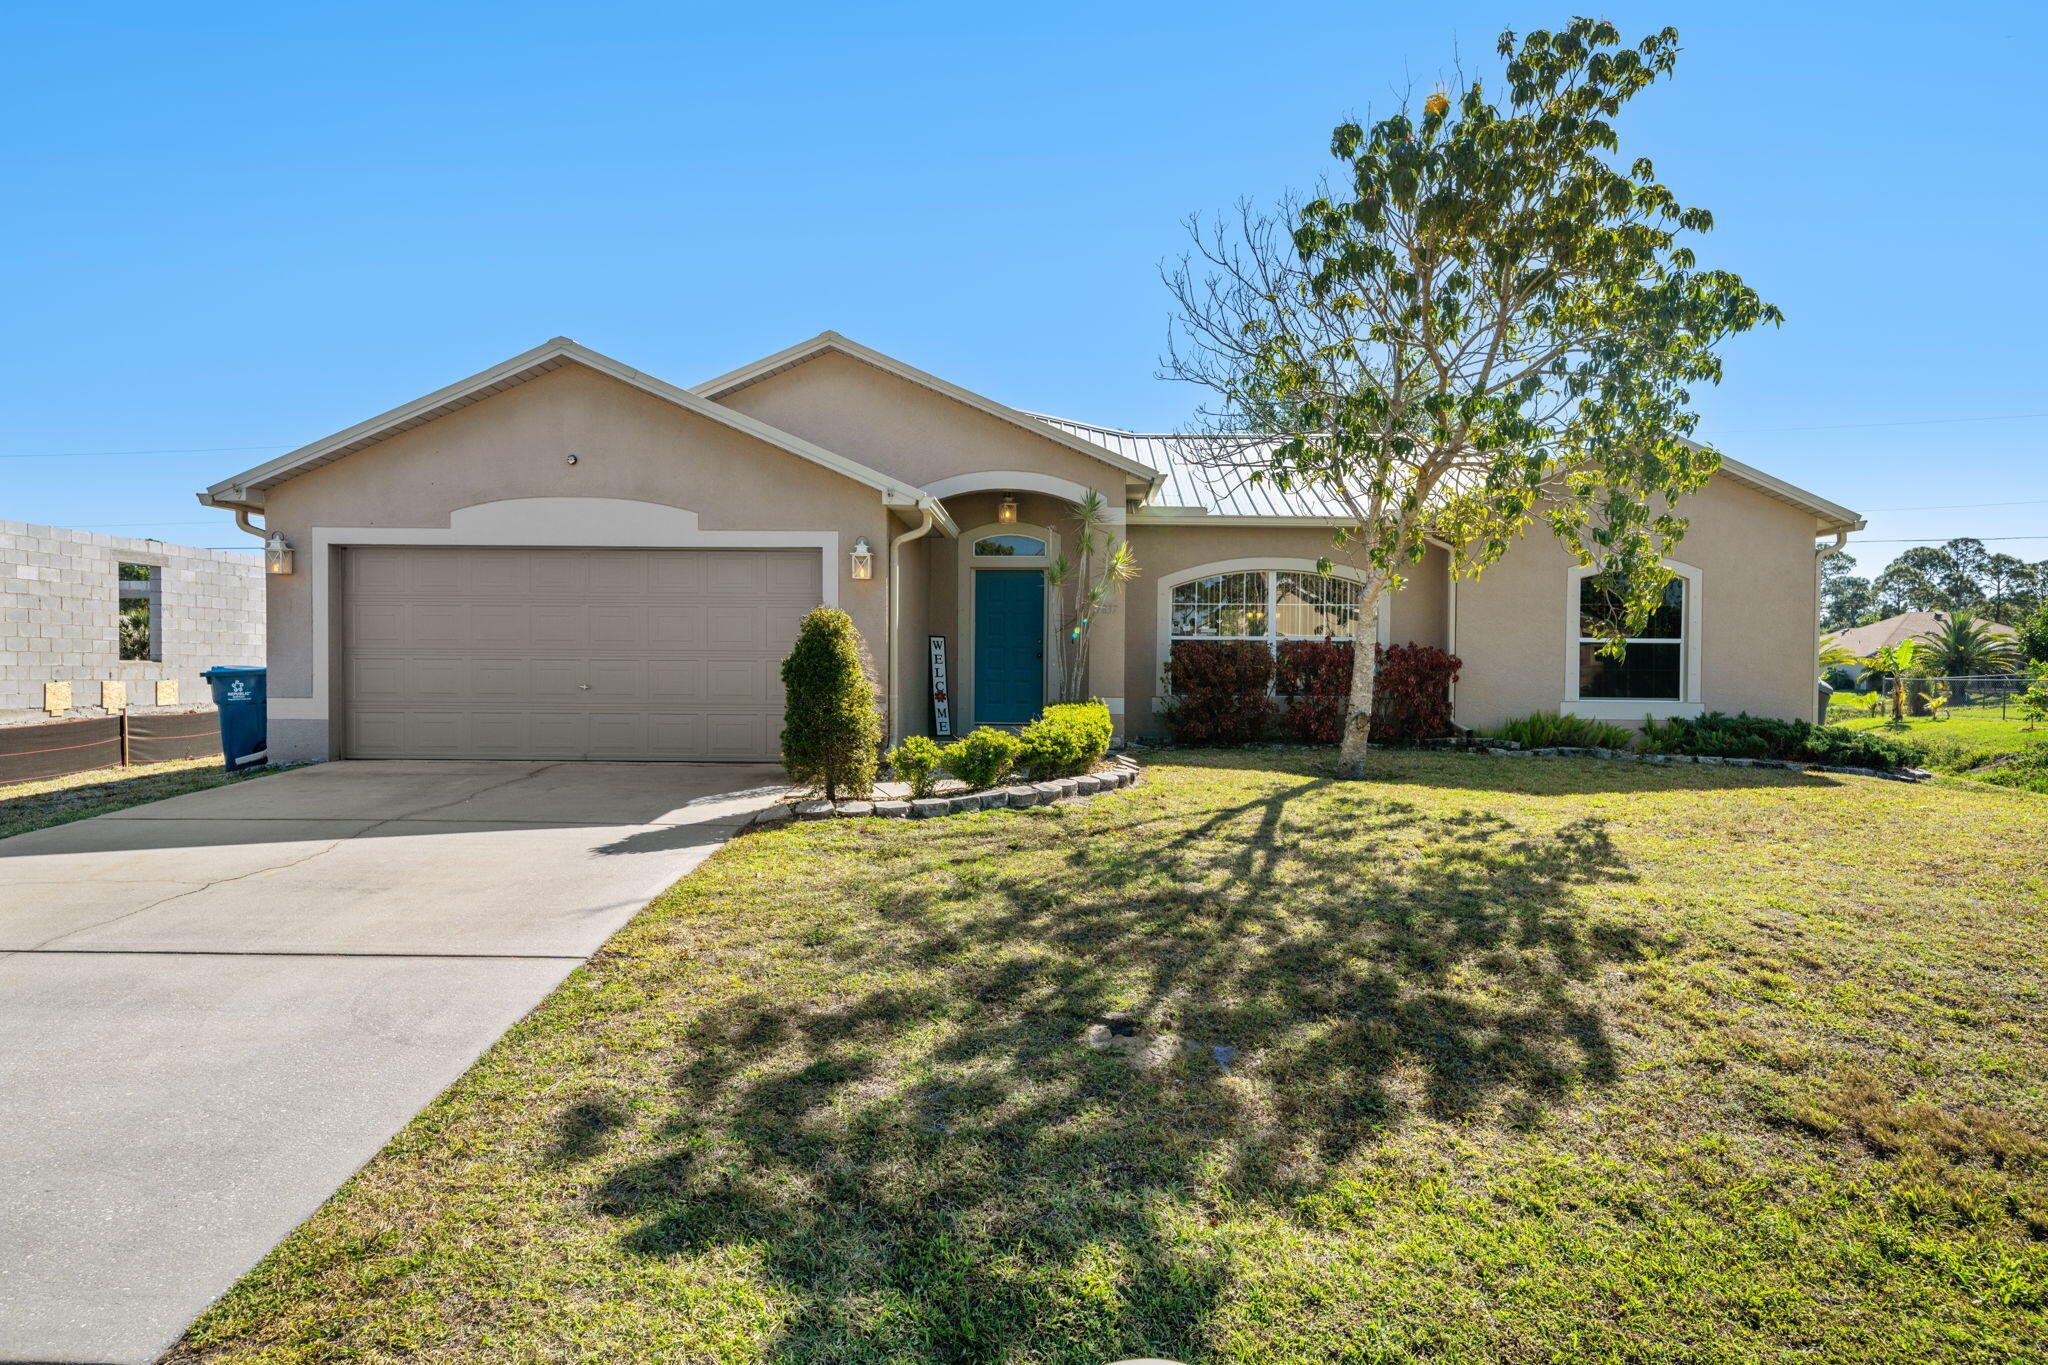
(277, 554)
(1006, 510)
(863, 558)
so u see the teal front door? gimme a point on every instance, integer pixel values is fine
(1009, 645)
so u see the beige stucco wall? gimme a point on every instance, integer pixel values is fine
(903, 428)
(629, 445)
(891, 424)
(1757, 610)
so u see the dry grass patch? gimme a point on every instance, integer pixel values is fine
(1529, 1061)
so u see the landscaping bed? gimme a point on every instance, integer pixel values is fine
(1481, 1060)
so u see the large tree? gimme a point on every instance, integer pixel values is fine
(1845, 599)
(1491, 319)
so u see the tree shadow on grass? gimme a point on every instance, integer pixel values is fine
(940, 1169)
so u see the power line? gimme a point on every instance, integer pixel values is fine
(1955, 506)
(1939, 540)
(1911, 422)
(105, 454)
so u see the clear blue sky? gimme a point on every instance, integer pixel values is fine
(251, 226)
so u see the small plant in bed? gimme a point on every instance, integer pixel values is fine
(983, 758)
(1548, 730)
(916, 761)
(1719, 735)
(1067, 739)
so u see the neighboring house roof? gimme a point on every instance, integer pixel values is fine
(247, 488)
(1190, 487)
(1863, 641)
(825, 342)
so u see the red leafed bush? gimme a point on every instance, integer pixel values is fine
(1411, 693)
(1218, 691)
(1314, 676)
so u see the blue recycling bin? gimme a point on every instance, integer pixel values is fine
(240, 694)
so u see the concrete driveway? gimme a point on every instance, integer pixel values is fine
(213, 1009)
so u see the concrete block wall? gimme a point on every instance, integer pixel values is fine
(59, 619)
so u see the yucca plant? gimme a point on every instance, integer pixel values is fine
(1096, 592)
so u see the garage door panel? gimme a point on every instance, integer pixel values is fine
(618, 654)
(618, 627)
(734, 736)
(559, 625)
(676, 627)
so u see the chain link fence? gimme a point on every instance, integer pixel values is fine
(1985, 696)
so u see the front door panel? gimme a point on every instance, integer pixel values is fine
(1009, 645)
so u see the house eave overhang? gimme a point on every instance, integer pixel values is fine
(716, 390)
(247, 489)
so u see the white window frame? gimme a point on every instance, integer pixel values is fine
(1692, 702)
(1270, 566)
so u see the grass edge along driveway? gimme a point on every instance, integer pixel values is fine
(1554, 1060)
(48, 801)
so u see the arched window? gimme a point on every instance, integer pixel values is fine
(1006, 545)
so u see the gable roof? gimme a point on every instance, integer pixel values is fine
(1864, 641)
(824, 342)
(246, 489)
(1189, 487)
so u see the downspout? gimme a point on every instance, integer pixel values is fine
(1821, 552)
(922, 529)
(242, 521)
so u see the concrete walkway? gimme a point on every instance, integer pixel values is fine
(213, 1009)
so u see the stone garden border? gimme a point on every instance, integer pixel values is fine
(1122, 772)
(1502, 748)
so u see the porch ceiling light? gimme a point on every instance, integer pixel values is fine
(277, 554)
(863, 559)
(1006, 510)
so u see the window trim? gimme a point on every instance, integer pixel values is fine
(1267, 564)
(1690, 702)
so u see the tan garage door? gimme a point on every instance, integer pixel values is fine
(598, 654)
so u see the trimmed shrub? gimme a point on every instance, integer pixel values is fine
(1548, 730)
(983, 758)
(1719, 735)
(1411, 691)
(1217, 691)
(831, 732)
(1066, 739)
(1314, 679)
(1412, 695)
(916, 761)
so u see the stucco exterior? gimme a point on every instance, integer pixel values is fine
(829, 444)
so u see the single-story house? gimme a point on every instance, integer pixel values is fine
(1864, 641)
(563, 557)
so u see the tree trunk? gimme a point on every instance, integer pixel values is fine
(1365, 667)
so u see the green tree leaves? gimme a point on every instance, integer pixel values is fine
(1488, 319)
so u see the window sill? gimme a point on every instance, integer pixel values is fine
(1621, 711)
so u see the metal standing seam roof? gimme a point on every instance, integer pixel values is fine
(1227, 492)
(1188, 484)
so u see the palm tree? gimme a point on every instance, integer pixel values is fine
(1896, 662)
(1964, 647)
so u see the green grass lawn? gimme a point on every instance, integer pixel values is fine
(1533, 1061)
(55, 800)
(1981, 728)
